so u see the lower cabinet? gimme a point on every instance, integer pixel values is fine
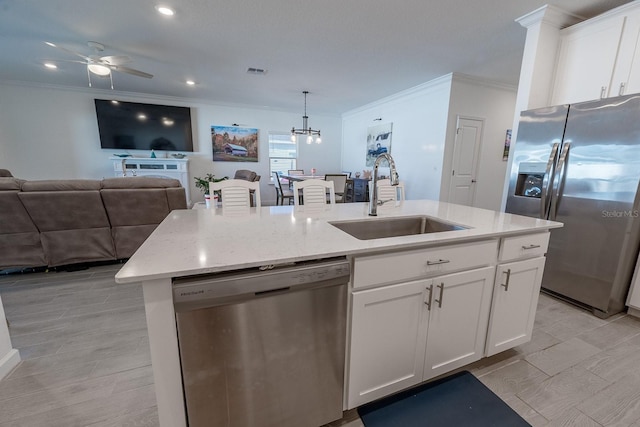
(409, 332)
(515, 299)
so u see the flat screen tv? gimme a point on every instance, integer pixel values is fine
(135, 126)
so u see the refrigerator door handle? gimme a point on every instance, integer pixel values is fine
(547, 180)
(561, 172)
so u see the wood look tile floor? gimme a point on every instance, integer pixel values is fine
(86, 362)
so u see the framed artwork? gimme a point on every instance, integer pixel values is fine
(234, 144)
(507, 144)
(378, 141)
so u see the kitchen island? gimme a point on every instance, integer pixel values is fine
(426, 269)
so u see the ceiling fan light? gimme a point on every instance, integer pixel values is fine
(99, 70)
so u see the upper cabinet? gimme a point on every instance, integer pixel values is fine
(597, 58)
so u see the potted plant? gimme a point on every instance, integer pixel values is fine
(203, 184)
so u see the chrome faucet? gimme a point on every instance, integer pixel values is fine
(373, 201)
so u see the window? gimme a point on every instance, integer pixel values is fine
(283, 153)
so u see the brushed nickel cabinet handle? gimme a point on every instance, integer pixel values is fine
(428, 301)
(603, 91)
(621, 92)
(440, 261)
(530, 247)
(506, 282)
(439, 301)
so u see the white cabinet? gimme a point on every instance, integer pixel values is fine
(515, 299)
(516, 291)
(421, 313)
(406, 333)
(458, 320)
(597, 58)
(387, 340)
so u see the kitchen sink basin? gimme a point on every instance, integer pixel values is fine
(379, 228)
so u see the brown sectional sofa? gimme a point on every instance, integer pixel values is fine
(61, 222)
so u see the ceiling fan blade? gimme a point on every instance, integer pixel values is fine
(71, 60)
(115, 59)
(72, 52)
(130, 71)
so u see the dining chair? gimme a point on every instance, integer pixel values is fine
(386, 191)
(237, 192)
(282, 193)
(339, 185)
(314, 192)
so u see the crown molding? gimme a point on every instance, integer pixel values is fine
(550, 15)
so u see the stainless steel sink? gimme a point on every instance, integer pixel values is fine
(379, 228)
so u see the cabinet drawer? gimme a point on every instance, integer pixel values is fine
(527, 246)
(409, 265)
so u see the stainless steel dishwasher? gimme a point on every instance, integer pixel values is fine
(264, 347)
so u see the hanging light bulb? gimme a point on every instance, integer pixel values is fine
(318, 140)
(309, 139)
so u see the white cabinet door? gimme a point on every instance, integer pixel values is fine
(515, 299)
(586, 61)
(388, 334)
(626, 78)
(458, 320)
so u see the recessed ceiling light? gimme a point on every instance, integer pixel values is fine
(165, 10)
(50, 44)
(190, 82)
(50, 66)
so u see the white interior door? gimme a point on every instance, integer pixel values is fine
(466, 151)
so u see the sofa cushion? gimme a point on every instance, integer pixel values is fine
(139, 182)
(129, 238)
(13, 184)
(21, 250)
(62, 185)
(65, 210)
(79, 245)
(13, 215)
(135, 206)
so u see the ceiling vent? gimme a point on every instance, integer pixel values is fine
(257, 71)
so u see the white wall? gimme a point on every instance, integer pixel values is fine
(419, 117)
(52, 133)
(424, 126)
(494, 104)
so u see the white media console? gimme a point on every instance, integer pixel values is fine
(158, 167)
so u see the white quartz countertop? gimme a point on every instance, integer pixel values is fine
(200, 241)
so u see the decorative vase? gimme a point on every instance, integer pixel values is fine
(207, 200)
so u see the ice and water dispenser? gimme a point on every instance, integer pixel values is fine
(530, 178)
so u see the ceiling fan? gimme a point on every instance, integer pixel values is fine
(102, 65)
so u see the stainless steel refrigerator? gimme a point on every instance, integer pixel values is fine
(579, 164)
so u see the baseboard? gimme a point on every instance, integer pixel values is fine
(633, 312)
(8, 362)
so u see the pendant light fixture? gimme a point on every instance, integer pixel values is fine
(306, 129)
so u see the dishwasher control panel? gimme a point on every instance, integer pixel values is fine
(218, 289)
